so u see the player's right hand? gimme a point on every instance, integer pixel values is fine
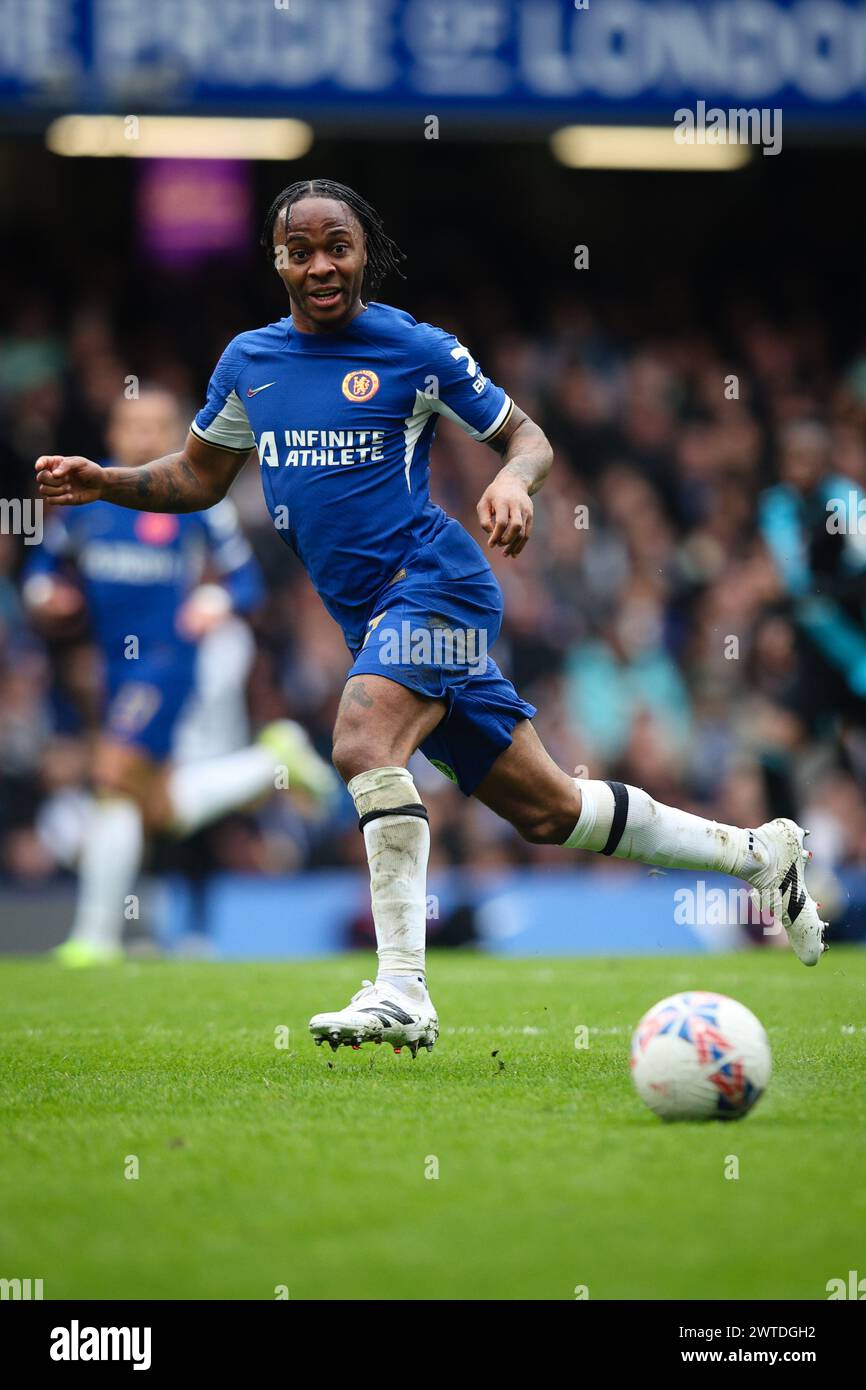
(68, 480)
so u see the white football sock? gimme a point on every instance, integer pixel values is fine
(398, 848)
(110, 861)
(627, 823)
(411, 982)
(201, 792)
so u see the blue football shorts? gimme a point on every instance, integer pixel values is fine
(146, 698)
(431, 631)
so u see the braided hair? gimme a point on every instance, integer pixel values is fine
(383, 255)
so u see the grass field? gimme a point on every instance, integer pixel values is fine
(262, 1166)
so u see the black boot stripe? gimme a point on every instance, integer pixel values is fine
(383, 1018)
(388, 1011)
(797, 899)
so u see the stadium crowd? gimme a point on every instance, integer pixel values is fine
(662, 618)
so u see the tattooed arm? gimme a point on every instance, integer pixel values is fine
(190, 481)
(505, 510)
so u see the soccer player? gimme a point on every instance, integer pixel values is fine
(341, 400)
(138, 578)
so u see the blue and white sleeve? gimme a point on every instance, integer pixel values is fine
(455, 386)
(232, 556)
(223, 420)
(47, 562)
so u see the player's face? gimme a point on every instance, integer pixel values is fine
(320, 257)
(146, 429)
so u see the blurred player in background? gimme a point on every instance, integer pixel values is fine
(341, 400)
(139, 576)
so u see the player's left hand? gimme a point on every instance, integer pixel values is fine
(207, 607)
(505, 512)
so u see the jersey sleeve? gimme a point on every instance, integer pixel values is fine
(47, 561)
(456, 387)
(232, 556)
(223, 420)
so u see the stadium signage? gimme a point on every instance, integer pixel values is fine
(505, 58)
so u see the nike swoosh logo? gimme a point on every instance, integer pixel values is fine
(254, 390)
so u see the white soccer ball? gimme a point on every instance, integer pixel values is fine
(698, 1056)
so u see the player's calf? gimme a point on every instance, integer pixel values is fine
(547, 825)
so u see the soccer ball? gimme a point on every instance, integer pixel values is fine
(699, 1056)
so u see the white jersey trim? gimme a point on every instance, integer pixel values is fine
(230, 429)
(421, 412)
(507, 407)
(443, 409)
(425, 406)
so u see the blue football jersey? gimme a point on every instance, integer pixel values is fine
(137, 569)
(343, 424)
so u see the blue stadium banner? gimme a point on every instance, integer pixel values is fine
(637, 59)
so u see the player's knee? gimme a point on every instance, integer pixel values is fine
(354, 752)
(341, 753)
(119, 776)
(119, 788)
(115, 781)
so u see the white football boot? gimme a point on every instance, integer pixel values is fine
(380, 1013)
(781, 887)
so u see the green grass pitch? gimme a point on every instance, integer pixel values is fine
(262, 1166)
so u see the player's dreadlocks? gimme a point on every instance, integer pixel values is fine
(383, 254)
